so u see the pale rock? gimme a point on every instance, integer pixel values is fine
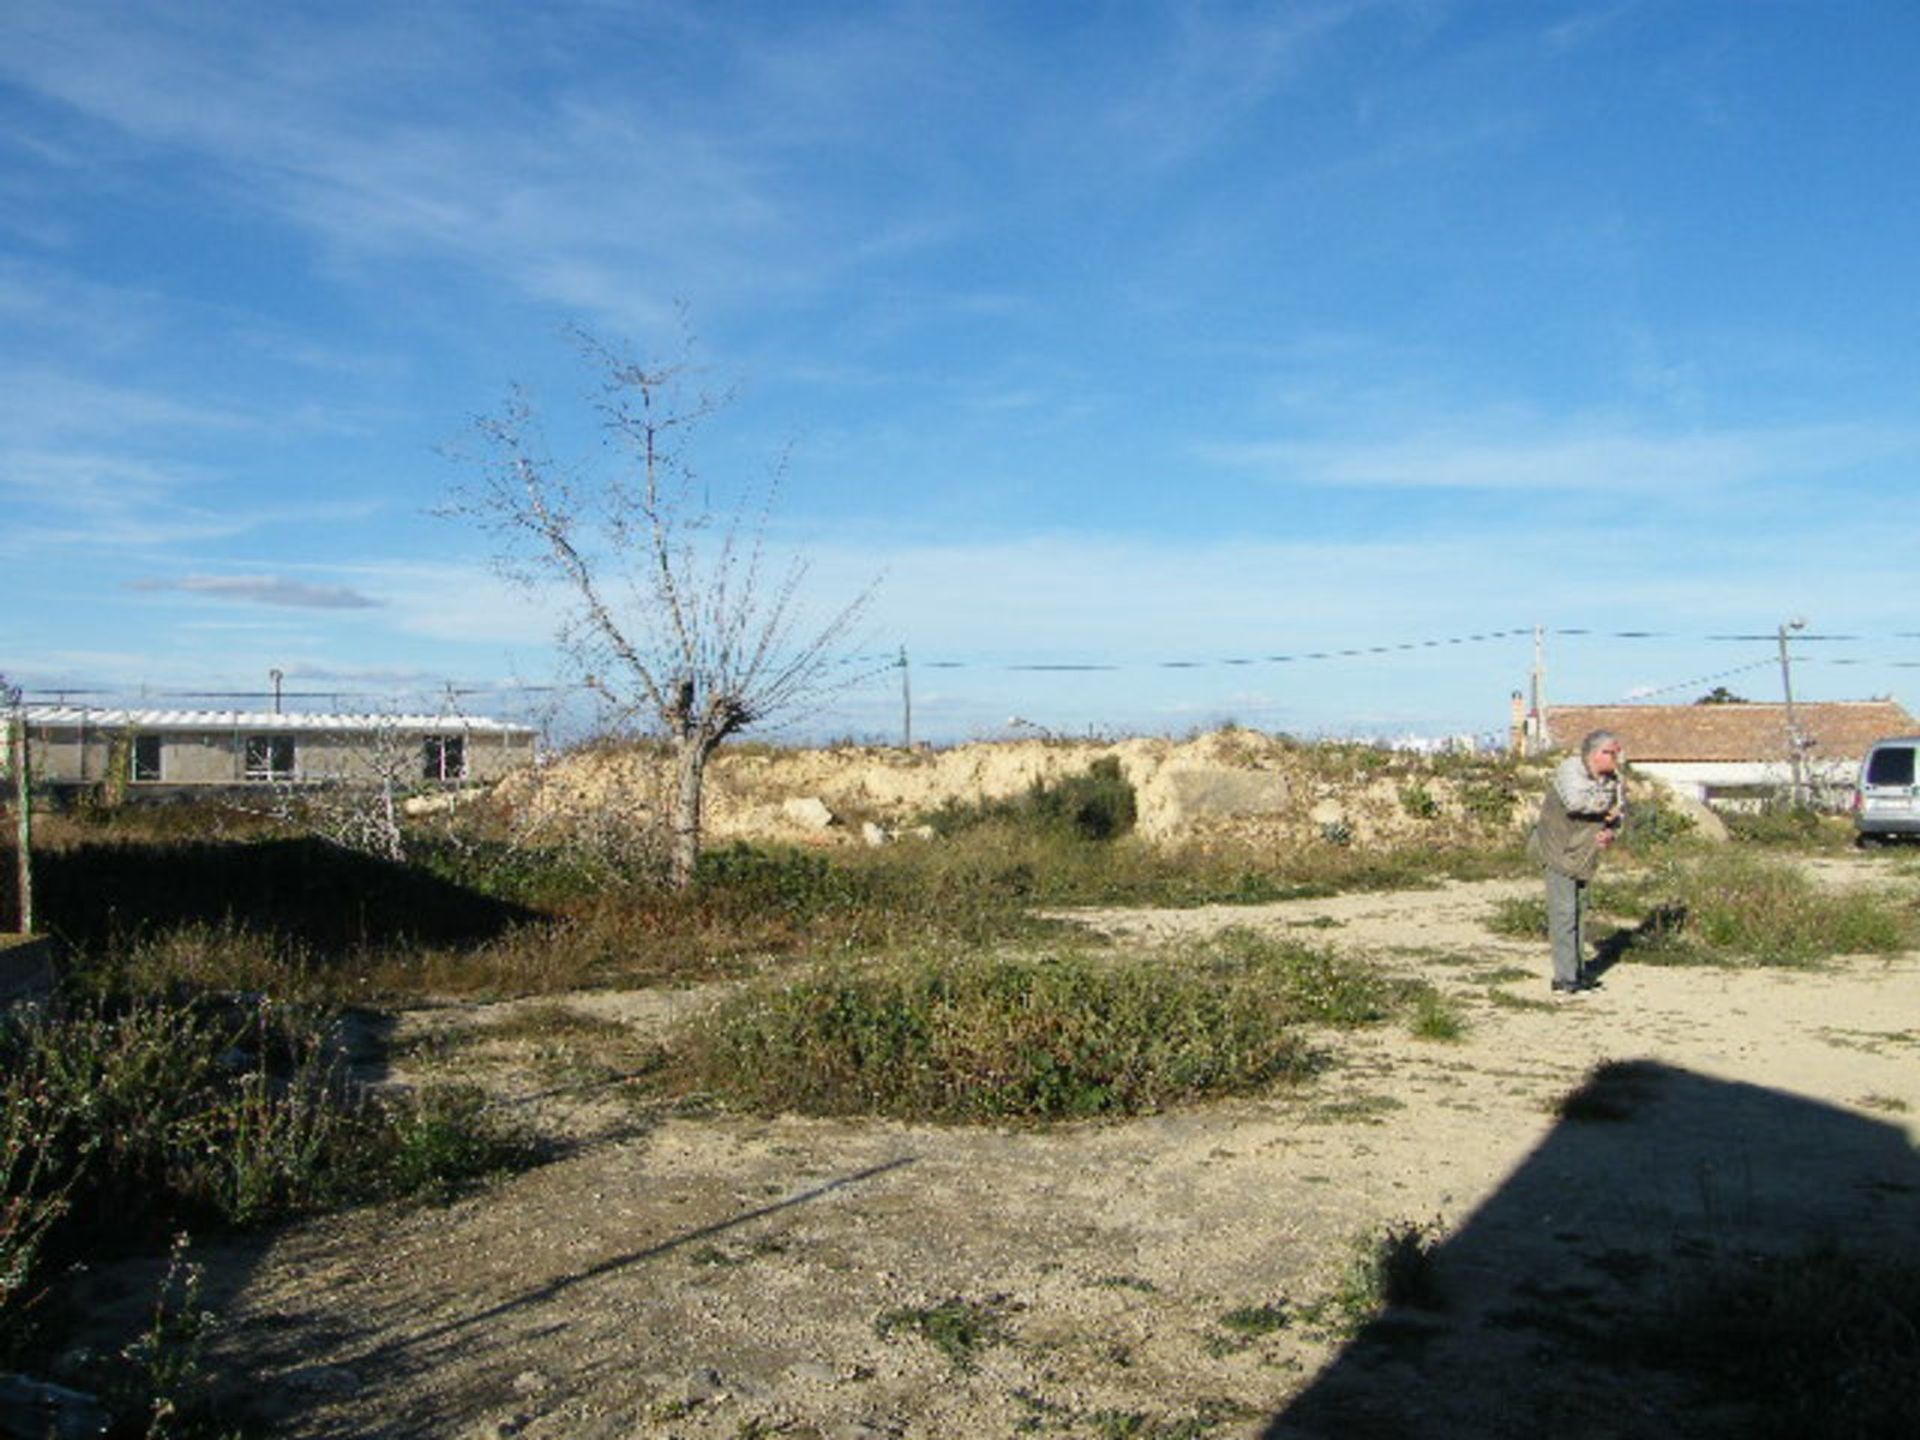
(809, 811)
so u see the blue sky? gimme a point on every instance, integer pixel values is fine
(1105, 334)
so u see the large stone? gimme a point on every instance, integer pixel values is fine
(1706, 824)
(809, 812)
(1182, 796)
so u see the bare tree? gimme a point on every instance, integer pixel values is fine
(668, 611)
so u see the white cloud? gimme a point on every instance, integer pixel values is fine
(266, 590)
(1579, 459)
(42, 405)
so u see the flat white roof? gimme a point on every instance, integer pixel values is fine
(181, 721)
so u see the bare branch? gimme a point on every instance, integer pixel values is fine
(668, 612)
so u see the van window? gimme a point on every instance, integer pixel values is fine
(1891, 765)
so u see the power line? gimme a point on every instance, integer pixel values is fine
(1639, 694)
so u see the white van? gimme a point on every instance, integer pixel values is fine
(1886, 802)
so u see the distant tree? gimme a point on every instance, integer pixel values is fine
(1720, 695)
(669, 614)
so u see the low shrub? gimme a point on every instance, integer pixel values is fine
(1729, 907)
(1432, 1016)
(957, 1327)
(1783, 826)
(1098, 804)
(974, 1038)
(1390, 1266)
(1651, 825)
(1815, 1345)
(1489, 801)
(1524, 917)
(120, 1123)
(1419, 802)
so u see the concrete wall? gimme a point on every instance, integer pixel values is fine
(1702, 778)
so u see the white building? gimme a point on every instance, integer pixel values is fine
(1739, 751)
(77, 745)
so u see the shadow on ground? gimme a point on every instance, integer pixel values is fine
(1571, 1296)
(302, 1391)
(319, 894)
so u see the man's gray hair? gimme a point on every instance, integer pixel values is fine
(1595, 739)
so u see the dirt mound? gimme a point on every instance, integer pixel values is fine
(1224, 785)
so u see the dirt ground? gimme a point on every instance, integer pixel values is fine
(712, 1275)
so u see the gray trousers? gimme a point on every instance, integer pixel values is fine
(1566, 899)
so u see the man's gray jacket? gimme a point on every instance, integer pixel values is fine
(1573, 812)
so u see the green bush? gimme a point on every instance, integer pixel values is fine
(1730, 907)
(141, 1118)
(1524, 917)
(1385, 1267)
(981, 1038)
(1418, 801)
(1780, 825)
(796, 882)
(1098, 804)
(1651, 825)
(1489, 801)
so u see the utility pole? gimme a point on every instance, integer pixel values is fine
(1537, 703)
(1796, 753)
(23, 790)
(906, 703)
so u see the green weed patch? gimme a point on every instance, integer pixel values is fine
(957, 1327)
(1067, 1035)
(1735, 908)
(120, 1124)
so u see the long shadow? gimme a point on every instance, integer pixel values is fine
(420, 1350)
(1562, 1292)
(542, 1293)
(318, 894)
(1660, 923)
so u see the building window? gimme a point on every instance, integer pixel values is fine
(269, 757)
(445, 757)
(146, 757)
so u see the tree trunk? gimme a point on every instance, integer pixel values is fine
(694, 749)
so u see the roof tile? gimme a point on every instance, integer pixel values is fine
(1751, 730)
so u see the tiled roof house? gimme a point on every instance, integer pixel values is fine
(1709, 748)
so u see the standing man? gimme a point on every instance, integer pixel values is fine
(1579, 817)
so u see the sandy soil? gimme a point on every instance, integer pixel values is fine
(714, 1275)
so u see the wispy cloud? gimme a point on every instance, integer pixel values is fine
(571, 193)
(44, 305)
(97, 500)
(40, 404)
(1216, 68)
(265, 590)
(1580, 459)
